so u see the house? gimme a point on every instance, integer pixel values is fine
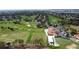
(76, 36)
(51, 33)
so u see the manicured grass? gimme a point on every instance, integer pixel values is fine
(22, 31)
(54, 20)
(63, 42)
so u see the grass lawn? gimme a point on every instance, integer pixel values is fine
(54, 20)
(22, 31)
(63, 42)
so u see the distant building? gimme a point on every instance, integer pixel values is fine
(76, 36)
(52, 31)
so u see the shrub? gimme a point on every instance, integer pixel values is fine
(12, 29)
(73, 31)
(42, 43)
(8, 45)
(2, 44)
(39, 43)
(19, 44)
(19, 41)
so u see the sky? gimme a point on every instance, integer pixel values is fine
(38, 4)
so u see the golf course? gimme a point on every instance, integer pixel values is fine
(28, 33)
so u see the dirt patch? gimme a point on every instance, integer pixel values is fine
(71, 46)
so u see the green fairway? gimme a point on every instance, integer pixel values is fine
(54, 20)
